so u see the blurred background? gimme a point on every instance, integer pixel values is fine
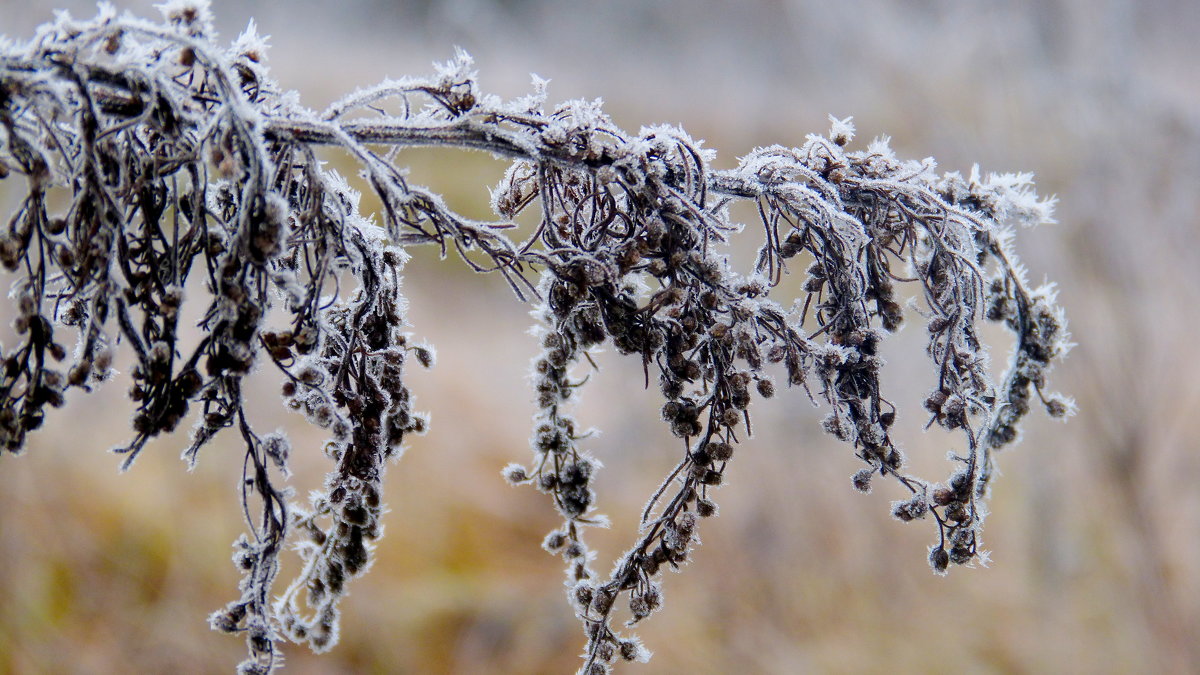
(1095, 522)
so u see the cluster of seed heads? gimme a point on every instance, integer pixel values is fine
(162, 172)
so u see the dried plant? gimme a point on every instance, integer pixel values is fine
(151, 156)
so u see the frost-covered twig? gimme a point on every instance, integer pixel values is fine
(178, 157)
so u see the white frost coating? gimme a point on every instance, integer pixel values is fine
(195, 17)
(841, 131)
(250, 44)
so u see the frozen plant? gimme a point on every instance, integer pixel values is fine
(151, 156)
